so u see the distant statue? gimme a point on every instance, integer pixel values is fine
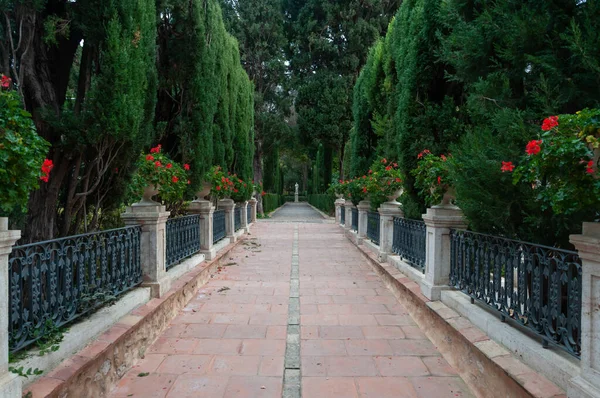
(296, 193)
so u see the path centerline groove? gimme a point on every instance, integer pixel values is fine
(297, 312)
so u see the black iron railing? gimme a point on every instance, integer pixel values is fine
(373, 226)
(354, 219)
(249, 213)
(56, 281)
(535, 286)
(237, 218)
(343, 215)
(219, 231)
(183, 238)
(409, 241)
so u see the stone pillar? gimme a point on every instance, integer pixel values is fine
(206, 210)
(245, 221)
(349, 207)
(10, 385)
(363, 209)
(229, 206)
(387, 212)
(254, 203)
(153, 219)
(338, 210)
(439, 220)
(587, 383)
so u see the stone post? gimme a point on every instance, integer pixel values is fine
(229, 206)
(153, 219)
(338, 210)
(10, 385)
(349, 206)
(254, 203)
(245, 222)
(363, 209)
(387, 212)
(587, 383)
(439, 220)
(206, 210)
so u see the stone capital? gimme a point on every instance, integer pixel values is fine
(445, 217)
(364, 205)
(340, 202)
(588, 243)
(201, 207)
(391, 209)
(227, 204)
(8, 240)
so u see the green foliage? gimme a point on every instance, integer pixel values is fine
(323, 202)
(563, 175)
(383, 183)
(22, 152)
(156, 169)
(432, 176)
(271, 202)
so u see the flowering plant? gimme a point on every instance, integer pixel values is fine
(562, 166)
(222, 185)
(156, 169)
(384, 182)
(432, 176)
(22, 152)
(242, 190)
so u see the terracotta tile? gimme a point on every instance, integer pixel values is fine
(263, 347)
(69, 367)
(198, 386)
(269, 319)
(323, 347)
(330, 387)
(313, 366)
(357, 320)
(42, 387)
(235, 365)
(385, 387)
(350, 366)
(383, 332)
(175, 330)
(440, 387)
(413, 347)
(277, 332)
(309, 300)
(179, 364)
(202, 331)
(254, 387)
(152, 386)
(414, 332)
(271, 366)
(245, 332)
(394, 320)
(149, 363)
(438, 366)
(309, 332)
(168, 345)
(319, 319)
(368, 347)
(401, 366)
(341, 332)
(95, 349)
(218, 347)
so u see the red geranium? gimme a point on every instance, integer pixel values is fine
(507, 166)
(533, 147)
(5, 81)
(549, 123)
(439, 179)
(47, 167)
(149, 158)
(186, 166)
(169, 165)
(156, 149)
(175, 179)
(590, 167)
(157, 164)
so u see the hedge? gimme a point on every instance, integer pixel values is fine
(323, 202)
(271, 201)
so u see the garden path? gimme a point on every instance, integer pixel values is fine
(296, 312)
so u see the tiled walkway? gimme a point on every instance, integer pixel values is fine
(356, 340)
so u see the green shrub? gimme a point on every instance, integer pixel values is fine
(271, 201)
(323, 202)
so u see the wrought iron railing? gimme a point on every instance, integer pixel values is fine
(237, 218)
(373, 226)
(56, 281)
(536, 286)
(409, 241)
(183, 238)
(219, 231)
(249, 213)
(343, 215)
(354, 219)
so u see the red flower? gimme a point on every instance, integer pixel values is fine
(549, 123)
(157, 164)
(365, 190)
(395, 164)
(169, 166)
(370, 171)
(507, 166)
(444, 158)
(47, 167)
(439, 180)
(263, 193)
(44, 178)
(149, 158)
(384, 161)
(186, 166)
(175, 179)
(218, 187)
(590, 167)
(398, 180)
(156, 149)
(5, 81)
(235, 190)
(388, 168)
(423, 153)
(189, 182)
(533, 147)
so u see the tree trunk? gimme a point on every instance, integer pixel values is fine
(258, 173)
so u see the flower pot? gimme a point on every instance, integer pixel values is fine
(449, 197)
(339, 196)
(149, 192)
(201, 195)
(3, 223)
(395, 195)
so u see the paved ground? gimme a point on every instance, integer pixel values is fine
(297, 212)
(355, 339)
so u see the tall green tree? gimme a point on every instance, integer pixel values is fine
(258, 26)
(86, 71)
(520, 61)
(329, 43)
